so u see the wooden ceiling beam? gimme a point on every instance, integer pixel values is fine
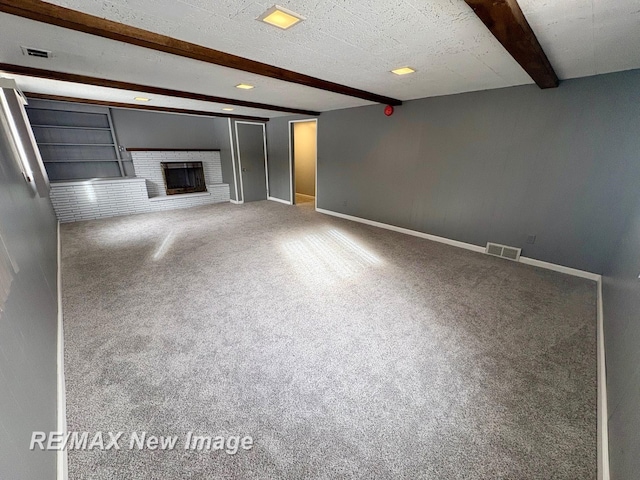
(505, 20)
(131, 106)
(83, 22)
(103, 82)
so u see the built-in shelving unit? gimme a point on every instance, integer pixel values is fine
(75, 141)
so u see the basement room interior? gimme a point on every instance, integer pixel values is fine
(319, 240)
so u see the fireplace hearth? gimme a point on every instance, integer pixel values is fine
(183, 177)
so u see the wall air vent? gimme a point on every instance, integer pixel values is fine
(510, 253)
(36, 52)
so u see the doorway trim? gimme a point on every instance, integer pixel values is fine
(291, 178)
(233, 164)
(264, 148)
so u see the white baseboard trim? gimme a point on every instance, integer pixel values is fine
(603, 408)
(560, 268)
(237, 202)
(603, 431)
(61, 424)
(467, 246)
(274, 199)
(435, 238)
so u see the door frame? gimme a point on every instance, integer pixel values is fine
(233, 165)
(291, 162)
(264, 149)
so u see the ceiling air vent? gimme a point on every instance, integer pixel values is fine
(510, 253)
(36, 52)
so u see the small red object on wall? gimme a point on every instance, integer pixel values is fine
(388, 110)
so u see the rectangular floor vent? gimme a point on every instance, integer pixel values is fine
(510, 253)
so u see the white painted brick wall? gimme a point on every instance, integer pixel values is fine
(102, 198)
(88, 200)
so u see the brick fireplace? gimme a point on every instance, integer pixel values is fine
(146, 192)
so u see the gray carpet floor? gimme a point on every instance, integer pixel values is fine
(343, 350)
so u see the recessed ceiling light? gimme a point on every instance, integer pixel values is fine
(228, 109)
(141, 99)
(244, 86)
(281, 17)
(403, 70)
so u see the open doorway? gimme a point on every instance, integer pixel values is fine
(303, 152)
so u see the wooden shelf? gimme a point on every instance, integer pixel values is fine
(105, 129)
(78, 144)
(80, 160)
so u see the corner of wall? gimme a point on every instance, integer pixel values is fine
(62, 459)
(603, 410)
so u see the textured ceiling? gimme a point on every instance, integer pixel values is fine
(53, 87)
(77, 52)
(353, 42)
(586, 37)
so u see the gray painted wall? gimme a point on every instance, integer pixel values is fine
(621, 302)
(28, 322)
(142, 129)
(221, 133)
(278, 157)
(498, 165)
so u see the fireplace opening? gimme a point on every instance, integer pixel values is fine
(183, 177)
